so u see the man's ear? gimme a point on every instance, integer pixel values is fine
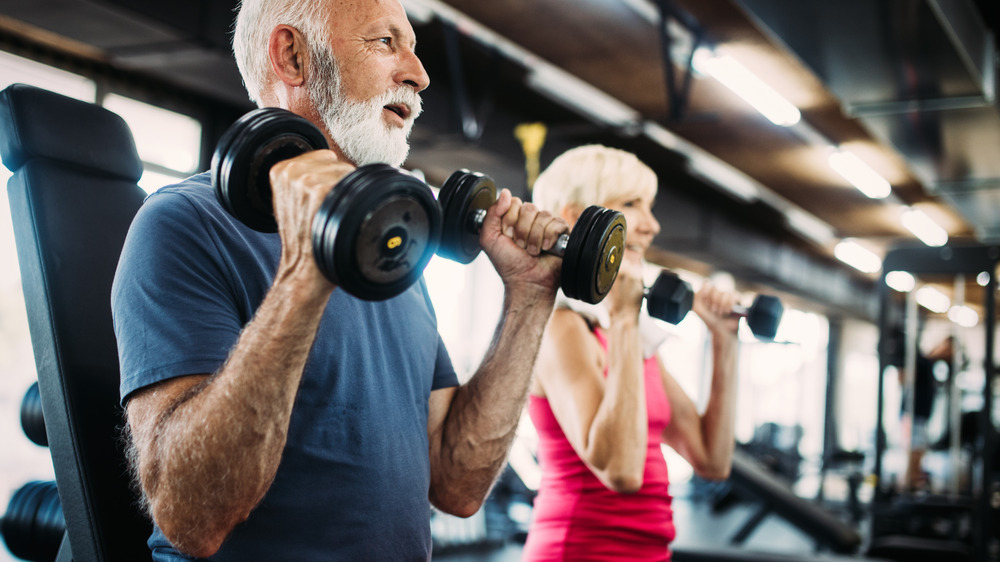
(571, 212)
(286, 51)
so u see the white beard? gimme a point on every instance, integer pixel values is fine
(358, 128)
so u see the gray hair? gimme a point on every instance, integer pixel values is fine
(255, 21)
(592, 175)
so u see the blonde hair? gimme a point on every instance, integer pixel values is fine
(255, 21)
(592, 175)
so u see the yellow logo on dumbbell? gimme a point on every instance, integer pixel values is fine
(394, 242)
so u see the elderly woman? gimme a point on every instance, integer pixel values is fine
(602, 400)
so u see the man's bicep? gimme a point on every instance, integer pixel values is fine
(175, 311)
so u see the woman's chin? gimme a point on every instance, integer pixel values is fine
(632, 260)
(635, 256)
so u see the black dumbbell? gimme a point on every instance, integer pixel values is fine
(591, 253)
(373, 234)
(32, 419)
(33, 525)
(670, 299)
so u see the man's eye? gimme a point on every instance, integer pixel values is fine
(386, 40)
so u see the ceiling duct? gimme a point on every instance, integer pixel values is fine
(921, 75)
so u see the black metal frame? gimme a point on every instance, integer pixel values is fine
(677, 95)
(472, 125)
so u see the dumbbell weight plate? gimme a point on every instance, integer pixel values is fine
(33, 525)
(764, 316)
(462, 194)
(32, 419)
(593, 254)
(572, 285)
(375, 232)
(244, 156)
(670, 298)
(609, 236)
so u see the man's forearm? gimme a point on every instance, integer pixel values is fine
(211, 454)
(483, 418)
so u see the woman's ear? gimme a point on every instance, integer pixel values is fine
(571, 212)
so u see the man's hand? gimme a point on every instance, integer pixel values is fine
(299, 186)
(513, 235)
(471, 427)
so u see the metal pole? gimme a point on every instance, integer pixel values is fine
(909, 378)
(955, 397)
(883, 326)
(985, 543)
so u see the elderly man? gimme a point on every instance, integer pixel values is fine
(272, 416)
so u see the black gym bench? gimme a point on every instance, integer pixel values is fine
(748, 479)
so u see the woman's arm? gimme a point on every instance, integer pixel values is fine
(707, 440)
(604, 418)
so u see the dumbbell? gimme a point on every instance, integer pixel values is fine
(670, 298)
(591, 253)
(32, 419)
(374, 232)
(34, 524)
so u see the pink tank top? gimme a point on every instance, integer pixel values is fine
(576, 517)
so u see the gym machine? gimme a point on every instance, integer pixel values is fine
(959, 523)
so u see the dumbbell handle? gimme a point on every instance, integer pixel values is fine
(478, 217)
(740, 311)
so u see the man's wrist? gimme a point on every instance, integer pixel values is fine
(529, 294)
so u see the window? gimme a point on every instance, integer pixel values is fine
(16, 69)
(169, 143)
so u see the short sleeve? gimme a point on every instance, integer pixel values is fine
(172, 303)
(444, 371)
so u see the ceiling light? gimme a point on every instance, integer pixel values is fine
(900, 281)
(983, 278)
(923, 227)
(723, 175)
(861, 176)
(933, 299)
(662, 136)
(857, 256)
(963, 316)
(745, 84)
(809, 226)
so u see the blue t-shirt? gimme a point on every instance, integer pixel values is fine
(354, 476)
